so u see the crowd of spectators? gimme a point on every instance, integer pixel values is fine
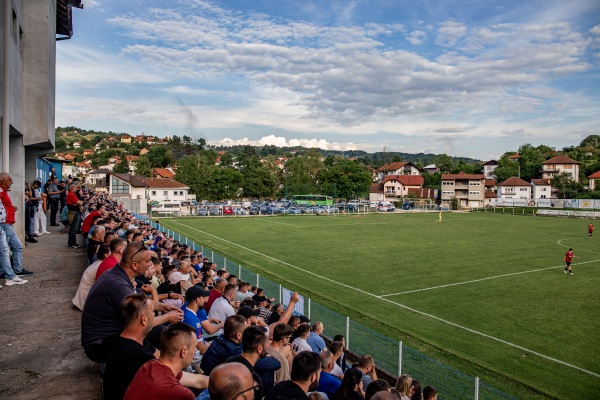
(164, 322)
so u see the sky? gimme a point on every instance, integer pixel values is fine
(472, 78)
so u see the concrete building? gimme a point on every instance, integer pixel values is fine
(468, 189)
(29, 31)
(541, 189)
(514, 188)
(489, 168)
(560, 164)
(396, 168)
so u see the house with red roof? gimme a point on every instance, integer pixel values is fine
(593, 178)
(560, 164)
(514, 188)
(395, 187)
(488, 169)
(396, 168)
(163, 173)
(541, 189)
(468, 189)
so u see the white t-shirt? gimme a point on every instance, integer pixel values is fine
(300, 344)
(221, 309)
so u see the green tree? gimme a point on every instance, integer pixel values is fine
(444, 162)
(506, 167)
(344, 178)
(432, 180)
(301, 173)
(224, 183)
(60, 144)
(158, 156)
(566, 186)
(122, 167)
(143, 166)
(195, 172)
(258, 183)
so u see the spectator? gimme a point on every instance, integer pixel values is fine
(226, 345)
(117, 247)
(222, 308)
(195, 297)
(54, 198)
(337, 349)
(366, 365)
(306, 368)
(351, 387)
(129, 351)
(385, 395)
(254, 347)
(215, 293)
(100, 318)
(300, 344)
(11, 240)
(342, 360)
(39, 217)
(230, 381)
(280, 349)
(88, 221)
(29, 236)
(94, 243)
(429, 393)
(328, 383)
(161, 379)
(315, 341)
(404, 386)
(261, 302)
(242, 290)
(89, 277)
(417, 394)
(378, 385)
(74, 206)
(277, 310)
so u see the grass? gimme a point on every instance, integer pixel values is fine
(504, 296)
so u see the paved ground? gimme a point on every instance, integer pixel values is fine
(40, 354)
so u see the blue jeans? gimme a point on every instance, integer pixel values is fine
(15, 245)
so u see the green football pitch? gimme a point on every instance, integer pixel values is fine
(484, 293)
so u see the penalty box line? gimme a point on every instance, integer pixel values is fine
(482, 279)
(399, 304)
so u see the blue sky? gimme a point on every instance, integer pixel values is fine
(463, 77)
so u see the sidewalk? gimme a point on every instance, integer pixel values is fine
(40, 328)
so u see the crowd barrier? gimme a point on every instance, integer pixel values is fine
(391, 355)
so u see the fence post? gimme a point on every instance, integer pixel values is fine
(280, 293)
(239, 272)
(400, 358)
(348, 332)
(257, 285)
(212, 256)
(476, 388)
(225, 262)
(308, 308)
(186, 240)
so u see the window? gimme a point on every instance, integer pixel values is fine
(166, 193)
(474, 183)
(181, 193)
(447, 192)
(154, 193)
(543, 196)
(477, 192)
(523, 189)
(509, 190)
(445, 183)
(119, 186)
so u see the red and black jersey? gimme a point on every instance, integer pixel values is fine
(568, 256)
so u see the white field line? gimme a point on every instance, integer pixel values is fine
(482, 279)
(582, 251)
(283, 223)
(401, 305)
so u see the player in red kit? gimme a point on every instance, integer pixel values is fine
(568, 258)
(590, 230)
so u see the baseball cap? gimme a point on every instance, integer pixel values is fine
(194, 292)
(248, 311)
(176, 277)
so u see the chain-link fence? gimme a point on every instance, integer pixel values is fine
(389, 354)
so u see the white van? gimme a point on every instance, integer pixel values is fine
(168, 208)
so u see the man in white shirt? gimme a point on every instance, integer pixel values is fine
(222, 307)
(299, 344)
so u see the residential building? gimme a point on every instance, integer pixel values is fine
(395, 187)
(161, 189)
(129, 190)
(87, 152)
(559, 164)
(468, 189)
(98, 179)
(592, 180)
(541, 189)
(163, 173)
(514, 188)
(126, 139)
(489, 168)
(431, 169)
(396, 168)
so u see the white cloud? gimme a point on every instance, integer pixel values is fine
(449, 32)
(280, 141)
(416, 37)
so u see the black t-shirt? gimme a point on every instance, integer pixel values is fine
(125, 358)
(286, 390)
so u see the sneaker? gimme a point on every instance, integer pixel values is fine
(31, 240)
(74, 246)
(24, 272)
(34, 235)
(46, 233)
(15, 281)
(572, 274)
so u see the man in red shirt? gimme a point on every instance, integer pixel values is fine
(160, 379)
(87, 222)
(74, 206)
(568, 258)
(590, 230)
(11, 240)
(117, 246)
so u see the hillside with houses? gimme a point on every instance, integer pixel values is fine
(528, 174)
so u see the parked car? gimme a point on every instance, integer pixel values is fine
(408, 205)
(254, 211)
(202, 211)
(213, 210)
(240, 211)
(386, 207)
(294, 210)
(227, 210)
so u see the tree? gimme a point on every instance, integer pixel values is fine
(567, 187)
(224, 183)
(159, 156)
(443, 162)
(345, 179)
(122, 167)
(432, 180)
(195, 172)
(506, 167)
(143, 166)
(301, 173)
(258, 183)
